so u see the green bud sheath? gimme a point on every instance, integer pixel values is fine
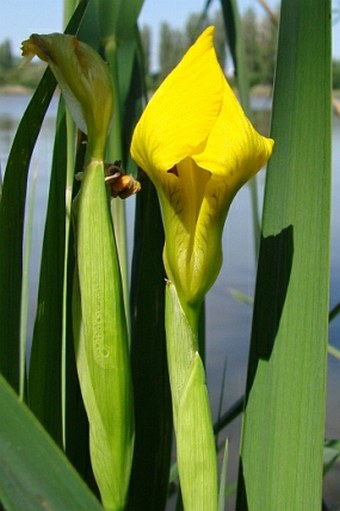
(84, 80)
(101, 342)
(100, 330)
(196, 455)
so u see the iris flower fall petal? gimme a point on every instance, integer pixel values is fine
(84, 80)
(198, 147)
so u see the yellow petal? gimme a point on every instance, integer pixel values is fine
(199, 148)
(179, 117)
(234, 150)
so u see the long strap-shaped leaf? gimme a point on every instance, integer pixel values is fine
(44, 384)
(34, 474)
(235, 37)
(117, 26)
(12, 210)
(150, 471)
(281, 453)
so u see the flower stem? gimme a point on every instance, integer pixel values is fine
(196, 454)
(101, 342)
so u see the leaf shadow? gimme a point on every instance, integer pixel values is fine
(273, 275)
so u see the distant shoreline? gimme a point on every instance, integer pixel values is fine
(20, 90)
(15, 90)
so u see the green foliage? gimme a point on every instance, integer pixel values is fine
(28, 77)
(196, 453)
(290, 322)
(174, 41)
(6, 56)
(101, 342)
(172, 46)
(260, 36)
(12, 206)
(145, 35)
(34, 473)
(283, 429)
(153, 412)
(12, 74)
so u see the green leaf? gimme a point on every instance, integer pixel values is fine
(233, 27)
(12, 211)
(331, 454)
(34, 474)
(153, 413)
(332, 350)
(284, 416)
(116, 30)
(196, 455)
(195, 444)
(234, 411)
(118, 18)
(45, 362)
(101, 341)
(235, 38)
(25, 291)
(223, 482)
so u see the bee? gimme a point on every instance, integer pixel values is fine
(119, 183)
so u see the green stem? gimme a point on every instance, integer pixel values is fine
(182, 344)
(196, 454)
(115, 152)
(101, 342)
(68, 206)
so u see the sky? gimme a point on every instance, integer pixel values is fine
(19, 18)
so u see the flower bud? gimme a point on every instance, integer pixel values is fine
(84, 80)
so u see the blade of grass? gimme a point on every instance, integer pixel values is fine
(12, 211)
(331, 454)
(233, 29)
(45, 375)
(34, 474)
(223, 482)
(235, 38)
(75, 422)
(234, 411)
(74, 419)
(117, 24)
(332, 350)
(44, 392)
(153, 414)
(220, 401)
(283, 424)
(334, 312)
(118, 19)
(25, 286)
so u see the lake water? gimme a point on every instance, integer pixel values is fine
(228, 320)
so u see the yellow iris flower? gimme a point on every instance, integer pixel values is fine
(84, 80)
(198, 147)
